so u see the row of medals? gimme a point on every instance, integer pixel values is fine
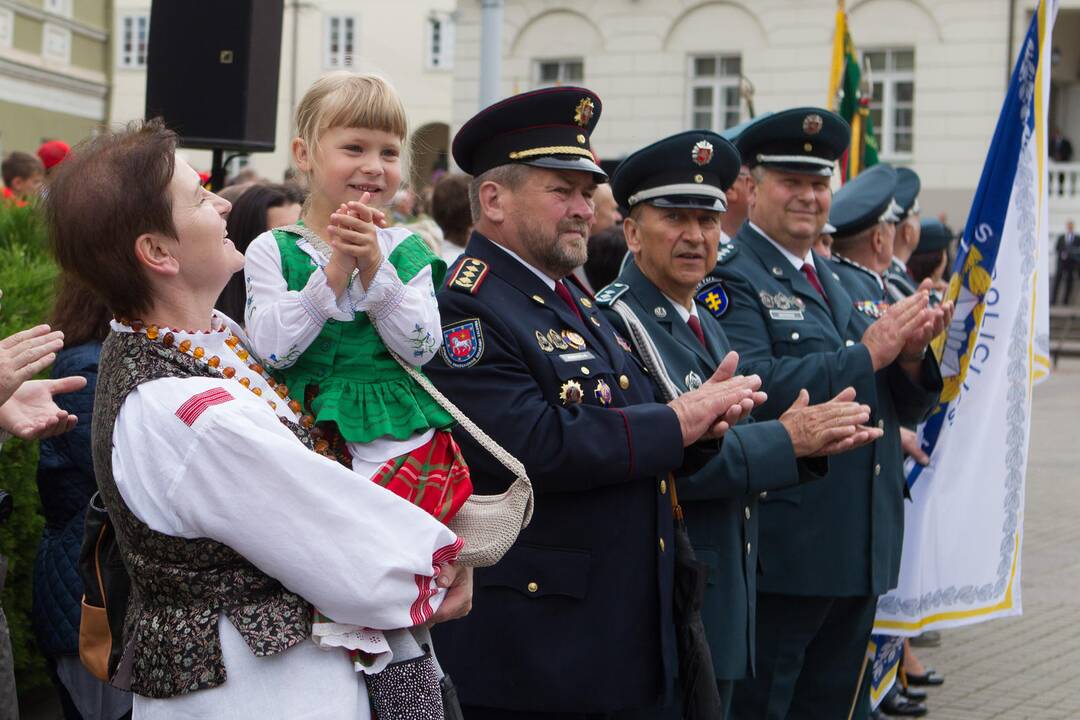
(571, 392)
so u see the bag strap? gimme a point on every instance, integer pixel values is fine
(105, 527)
(507, 460)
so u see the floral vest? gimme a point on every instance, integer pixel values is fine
(179, 587)
(347, 376)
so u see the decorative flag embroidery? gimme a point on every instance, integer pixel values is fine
(195, 405)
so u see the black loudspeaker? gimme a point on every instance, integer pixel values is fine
(212, 71)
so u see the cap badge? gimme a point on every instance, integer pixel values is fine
(812, 123)
(702, 152)
(584, 112)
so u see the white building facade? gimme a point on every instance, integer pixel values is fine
(938, 69)
(409, 43)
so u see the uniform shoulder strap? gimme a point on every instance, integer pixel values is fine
(607, 296)
(469, 274)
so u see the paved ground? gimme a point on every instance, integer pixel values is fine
(1027, 667)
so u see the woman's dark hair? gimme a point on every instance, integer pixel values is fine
(922, 265)
(247, 220)
(79, 312)
(109, 190)
(606, 251)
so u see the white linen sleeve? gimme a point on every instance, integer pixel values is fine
(282, 323)
(235, 474)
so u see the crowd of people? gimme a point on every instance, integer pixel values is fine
(708, 362)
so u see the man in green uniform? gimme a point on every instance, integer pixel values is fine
(675, 189)
(898, 280)
(827, 548)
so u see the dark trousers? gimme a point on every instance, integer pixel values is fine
(473, 712)
(809, 654)
(1068, 270)
(727, 689)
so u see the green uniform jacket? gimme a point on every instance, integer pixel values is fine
(841, 536)
(719, 500)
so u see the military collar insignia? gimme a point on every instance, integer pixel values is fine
(611, 293)
(539, 299)
(463, 343)
(777, 271)
(660, 311)
(725, 252)
(702, 152)
(468, 276)
(713, 297)
(692, 380)
(584, 112)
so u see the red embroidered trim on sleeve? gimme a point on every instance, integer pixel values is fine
(420, 611)
(196, 405)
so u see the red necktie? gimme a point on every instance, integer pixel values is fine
(811, 275)
(564, 295)
(695, 325)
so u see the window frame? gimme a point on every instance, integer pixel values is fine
(563, 63)
(61, 8)
(7, 27)
(122, 60)
(58, 31)
(718, 83)
(890, 78)
(347, 60)
(443, 57)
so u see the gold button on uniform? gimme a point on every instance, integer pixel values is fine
(624, 382)
(584, 370)
(746, 512)
(661, 544)
(877, 470)
(533, 587)
(663, 486)
(794, 336)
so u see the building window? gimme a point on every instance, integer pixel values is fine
(58, 7)
(133, 32)
(7, 27)
(56, 43)
(714, 84)
(440, 41)
(340, 41)
(892, 101)
(567, 71)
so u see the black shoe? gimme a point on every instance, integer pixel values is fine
(930, 638)
(896, 705)
(928, 678)
(912, 694)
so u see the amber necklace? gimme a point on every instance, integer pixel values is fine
(166, 338)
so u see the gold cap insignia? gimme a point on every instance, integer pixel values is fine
(812, 124)
(584, 112)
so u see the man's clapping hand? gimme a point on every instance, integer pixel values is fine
(828, 428)
(724, 399)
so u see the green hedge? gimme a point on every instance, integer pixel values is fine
(27, 277)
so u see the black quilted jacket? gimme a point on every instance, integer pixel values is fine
(66, 482)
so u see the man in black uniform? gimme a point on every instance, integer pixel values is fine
(675, 189)
(828, 548)
(576, 621)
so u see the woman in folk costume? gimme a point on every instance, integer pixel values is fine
(331, 299)
(229, 525)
